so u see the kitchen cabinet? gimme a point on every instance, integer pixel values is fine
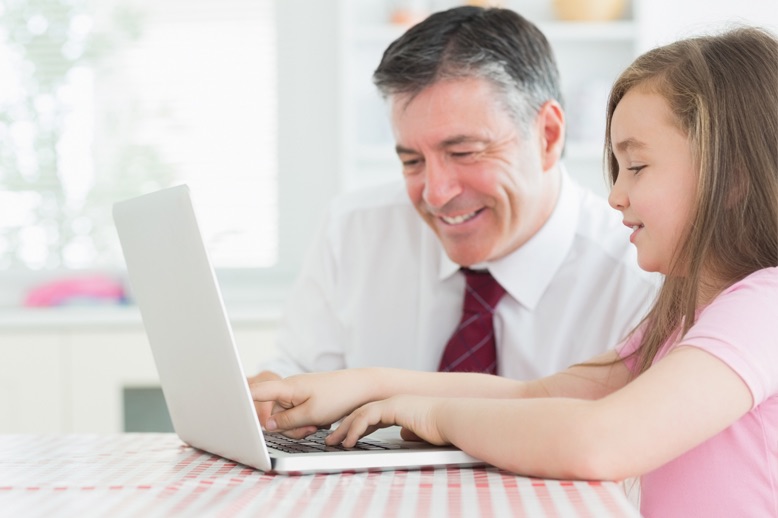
(71, 376)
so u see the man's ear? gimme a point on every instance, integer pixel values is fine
(551, 130)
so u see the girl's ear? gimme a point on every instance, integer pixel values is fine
(738, 190)
(551, 129)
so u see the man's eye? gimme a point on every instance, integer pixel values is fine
(412, 166)
(464, 155)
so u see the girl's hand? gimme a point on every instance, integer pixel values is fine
(309, 401)
(416, 414)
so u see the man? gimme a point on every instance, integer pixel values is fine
(479, 129)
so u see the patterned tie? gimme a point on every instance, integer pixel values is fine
(472, 347)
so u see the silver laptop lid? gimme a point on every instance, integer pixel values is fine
(186, 323)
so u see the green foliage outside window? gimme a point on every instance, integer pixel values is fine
(50, 45)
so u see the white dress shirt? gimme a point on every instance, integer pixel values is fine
(377, 289)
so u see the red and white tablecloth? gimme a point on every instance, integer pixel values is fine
(149, 475)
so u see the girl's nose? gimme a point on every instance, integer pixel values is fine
(618, 198)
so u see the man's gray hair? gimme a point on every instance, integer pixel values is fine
(494, 44)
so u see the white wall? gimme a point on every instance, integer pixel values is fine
(663, 21)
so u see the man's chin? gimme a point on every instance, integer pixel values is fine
(466, 258)
(463, 248)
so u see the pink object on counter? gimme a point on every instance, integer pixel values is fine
(95, 289)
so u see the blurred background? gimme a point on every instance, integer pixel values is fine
(266, 109)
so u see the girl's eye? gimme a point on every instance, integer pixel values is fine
(636, 169)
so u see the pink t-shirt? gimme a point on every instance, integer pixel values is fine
(735, 473)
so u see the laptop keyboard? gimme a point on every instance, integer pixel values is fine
(315, 443)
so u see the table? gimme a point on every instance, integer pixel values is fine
(152, 474)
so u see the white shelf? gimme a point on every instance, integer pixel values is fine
(58, 318)
(622, 30)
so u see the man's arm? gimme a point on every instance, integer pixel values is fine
(309, 329)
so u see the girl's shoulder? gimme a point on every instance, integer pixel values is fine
(764, 280)
(765, 273)
(738, 327)
(755, 294)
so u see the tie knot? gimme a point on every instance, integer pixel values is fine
(483, 292)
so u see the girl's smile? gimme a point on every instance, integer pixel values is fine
(635, 229)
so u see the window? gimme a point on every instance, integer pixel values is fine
(104, 100)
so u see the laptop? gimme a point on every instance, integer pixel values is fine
(205, 388)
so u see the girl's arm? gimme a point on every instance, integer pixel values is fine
(684, 399)
(318, 399)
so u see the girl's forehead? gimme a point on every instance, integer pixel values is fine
(640, 99)
(642, 109)
(643, 125)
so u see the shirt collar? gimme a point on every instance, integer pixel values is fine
(526, 273)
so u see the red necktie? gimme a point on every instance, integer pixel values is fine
(472, 347)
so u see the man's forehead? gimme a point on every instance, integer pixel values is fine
(401, 100)
(453, 140)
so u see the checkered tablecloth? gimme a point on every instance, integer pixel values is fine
(150, 475)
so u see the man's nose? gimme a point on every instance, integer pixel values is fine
(441, 183)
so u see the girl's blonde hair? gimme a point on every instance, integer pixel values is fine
(723, 92)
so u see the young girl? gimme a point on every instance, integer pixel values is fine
(690, 400)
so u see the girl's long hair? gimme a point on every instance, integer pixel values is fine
(723, 92)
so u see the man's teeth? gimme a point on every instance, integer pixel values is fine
(458, 219)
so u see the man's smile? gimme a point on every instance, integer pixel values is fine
(457, 220)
